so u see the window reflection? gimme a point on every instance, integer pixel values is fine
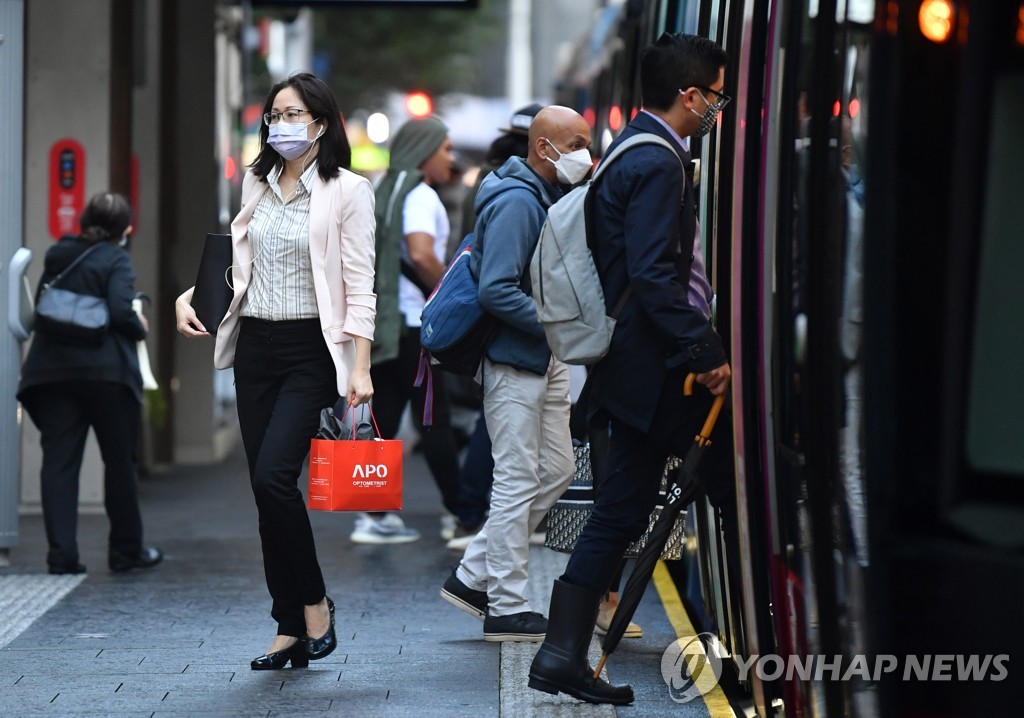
(853, 522)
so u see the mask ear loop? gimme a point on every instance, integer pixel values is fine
(557, 151)
(312, 144)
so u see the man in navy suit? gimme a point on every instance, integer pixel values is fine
(645, 237)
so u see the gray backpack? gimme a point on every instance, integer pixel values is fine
(566, 287)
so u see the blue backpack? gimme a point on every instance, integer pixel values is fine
(455, 330)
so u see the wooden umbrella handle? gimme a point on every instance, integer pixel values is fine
(704, 437)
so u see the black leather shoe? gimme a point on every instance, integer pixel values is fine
(317, 648)
(561, 664)
(72, 569)
(465, 598)
(146, 558)
(279, 659)
(526, 626)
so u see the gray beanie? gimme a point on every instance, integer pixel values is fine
(416, 141)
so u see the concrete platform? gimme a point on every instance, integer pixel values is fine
(177, 640)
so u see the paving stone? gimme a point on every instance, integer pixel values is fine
(240, 712)
(67, 683)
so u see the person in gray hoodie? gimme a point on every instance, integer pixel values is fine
(526, 390)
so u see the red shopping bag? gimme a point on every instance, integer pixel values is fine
(355, 475)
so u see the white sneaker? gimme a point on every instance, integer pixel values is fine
(540, 534)
(448, 522)
(463, 537)
(389, 528)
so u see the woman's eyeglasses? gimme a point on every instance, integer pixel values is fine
(289, 116)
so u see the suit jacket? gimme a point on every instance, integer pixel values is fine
(643, 236)
(341, 251)
(106, 272)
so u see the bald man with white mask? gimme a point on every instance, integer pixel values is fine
(526, 390)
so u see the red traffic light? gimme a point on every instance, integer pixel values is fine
(419, 104)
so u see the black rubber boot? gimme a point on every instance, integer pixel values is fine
(561, 664)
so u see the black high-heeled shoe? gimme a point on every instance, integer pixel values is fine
(295, 653)
(317, 648)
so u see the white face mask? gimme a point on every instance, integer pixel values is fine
(289, 139)
(571, 167)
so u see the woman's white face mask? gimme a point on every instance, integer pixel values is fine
(289, 139)
(571, 167)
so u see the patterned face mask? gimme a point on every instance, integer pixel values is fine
(708, 118)
(710, 114)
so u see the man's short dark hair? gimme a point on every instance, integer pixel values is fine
(508, 145)
(676, 62)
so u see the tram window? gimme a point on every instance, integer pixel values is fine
(996, 401)
(686, 16)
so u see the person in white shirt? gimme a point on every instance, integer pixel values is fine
(412, 239)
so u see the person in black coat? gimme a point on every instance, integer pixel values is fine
(646, 238)
(67, 387)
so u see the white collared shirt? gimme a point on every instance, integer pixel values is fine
(423, 212)
(282, 275)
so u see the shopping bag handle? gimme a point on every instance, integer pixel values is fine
(704, 437)
(372, 417)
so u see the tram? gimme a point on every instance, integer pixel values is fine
(862, 205)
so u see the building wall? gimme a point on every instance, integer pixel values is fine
(189, 210)
(145, 149)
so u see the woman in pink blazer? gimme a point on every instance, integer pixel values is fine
(298, 334)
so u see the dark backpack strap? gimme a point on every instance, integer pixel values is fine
(634, 141)
(71, 266)
(409, 272)
(622, 301)
(425, 372)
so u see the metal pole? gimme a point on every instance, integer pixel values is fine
(12, 100)
(520, 58)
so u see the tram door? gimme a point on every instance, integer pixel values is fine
(816, 128)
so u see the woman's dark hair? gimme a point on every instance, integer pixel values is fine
(333, 151)
(508, 145)
(105, 218)
(677, 62)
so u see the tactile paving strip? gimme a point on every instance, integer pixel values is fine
(517, 699)
(23, 599)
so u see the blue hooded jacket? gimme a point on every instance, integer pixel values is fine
(511, 206)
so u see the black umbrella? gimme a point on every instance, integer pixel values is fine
(683, 490)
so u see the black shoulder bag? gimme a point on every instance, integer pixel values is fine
(69, 316)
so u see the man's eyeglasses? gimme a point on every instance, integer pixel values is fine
(289, 116)
(722, 100)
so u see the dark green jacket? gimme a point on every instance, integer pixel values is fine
(413, 145)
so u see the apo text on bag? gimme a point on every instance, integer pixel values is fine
(355, 475)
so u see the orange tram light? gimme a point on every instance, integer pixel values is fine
(935, 19)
